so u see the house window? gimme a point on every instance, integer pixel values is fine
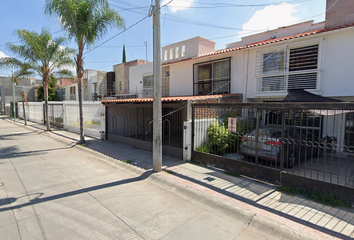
(165, 55)
(62, 94)
(148, 86)
(165, 80)
(171, 53)
(72, 93)
(292, 68)
(177, 52)
(212, 77)
(94, 87)
(183, 53)
(72, 90)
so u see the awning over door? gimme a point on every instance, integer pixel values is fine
(300, 95)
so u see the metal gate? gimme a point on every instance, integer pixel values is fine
(56, 114)
(133, 125)
(308, 145)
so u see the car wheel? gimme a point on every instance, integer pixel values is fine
(291, 160)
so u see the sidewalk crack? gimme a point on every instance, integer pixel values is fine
(249, 223)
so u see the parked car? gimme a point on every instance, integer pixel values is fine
(298, 144)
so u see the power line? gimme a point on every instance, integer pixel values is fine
(228, 5)
(23, 26)
(117, 34)
(136, 23)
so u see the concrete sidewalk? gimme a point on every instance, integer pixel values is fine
(265, 209)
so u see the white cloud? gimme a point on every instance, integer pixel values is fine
(3, 55)
(271, 17)
(176, 5)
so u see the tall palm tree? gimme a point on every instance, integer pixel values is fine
(86, 21)
(39, 54)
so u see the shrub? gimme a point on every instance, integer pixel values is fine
(243, 126)
(218, 138)
(203, 148)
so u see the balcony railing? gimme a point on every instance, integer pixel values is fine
(212, 86)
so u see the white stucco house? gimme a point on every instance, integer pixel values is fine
(310, 56)
(316, 57)
(93, 83)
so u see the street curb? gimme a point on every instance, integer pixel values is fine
(247, 217)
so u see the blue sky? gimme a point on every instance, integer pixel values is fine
(222, 21)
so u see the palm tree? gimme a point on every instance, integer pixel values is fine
(41, 55)
(86, 21)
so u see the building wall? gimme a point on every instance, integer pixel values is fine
(92, 77)
(28, 85)
(67, 91)
(181, 74)
(101, 80)
(339, 13)
(276, 33)
(251, 69)
(122, 75)
(193, 47)
(136, 74)
(181, 78)
(336, 71)
(119, 78)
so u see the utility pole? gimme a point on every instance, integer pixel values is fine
(146, 49)
(157, 106)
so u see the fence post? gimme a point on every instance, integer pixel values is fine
(193, 132)
(43, 110)
(282, 145)
(64, 114)
(257, 137)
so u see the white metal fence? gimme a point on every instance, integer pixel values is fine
(67, 114)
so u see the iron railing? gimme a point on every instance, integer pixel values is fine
(137, 123)
(270, 140)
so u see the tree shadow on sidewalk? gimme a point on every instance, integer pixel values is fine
(38, 200)
(12, 152)
(255, 203)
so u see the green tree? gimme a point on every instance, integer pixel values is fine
(52, 90)
(39, 54)
(124, 59)
(86, 21)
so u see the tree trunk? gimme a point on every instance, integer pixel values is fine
(24, 111)
(80, 73)
(45, 86)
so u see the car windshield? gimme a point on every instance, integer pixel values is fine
(274, 132)
(267, 132)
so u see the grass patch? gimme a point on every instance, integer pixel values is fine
(322, 197)
(128, 161)
(83, 144)
(193, 161)
(169, 171)
(203, 148)
(232, 173)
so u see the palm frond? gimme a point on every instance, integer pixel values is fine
(85, 20)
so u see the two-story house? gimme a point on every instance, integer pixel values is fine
(263, 67)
